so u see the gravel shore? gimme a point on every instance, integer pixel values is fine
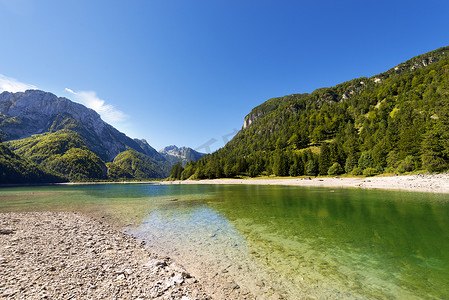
(64, 255)
(433, 183)
(67, 255)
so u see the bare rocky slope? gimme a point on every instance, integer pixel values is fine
(184, 154)
(33, 111)
(33, 117)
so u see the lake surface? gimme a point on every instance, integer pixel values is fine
(299, 242)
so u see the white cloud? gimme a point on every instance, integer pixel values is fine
(90, 99)
(13, 85)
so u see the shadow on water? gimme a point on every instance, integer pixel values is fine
(341, 243)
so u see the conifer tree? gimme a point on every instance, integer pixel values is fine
(325, 159)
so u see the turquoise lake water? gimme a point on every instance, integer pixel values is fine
(304, 242)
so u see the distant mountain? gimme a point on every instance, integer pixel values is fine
(141, 166)
(150, 151)
(66, 137)
(33, 112)
(184, 154)
(393, 122)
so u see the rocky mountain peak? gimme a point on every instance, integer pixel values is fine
(32, 112)
(169, 149)
(184, 155)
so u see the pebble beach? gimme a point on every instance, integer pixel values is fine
(69, 255)
(65, 255)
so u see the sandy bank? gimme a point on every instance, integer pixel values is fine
(438, 183)
(60, 255)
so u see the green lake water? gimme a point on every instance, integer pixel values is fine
(303, 242)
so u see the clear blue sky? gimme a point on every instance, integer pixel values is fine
(185, 72)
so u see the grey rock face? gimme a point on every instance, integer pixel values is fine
(184, 154)
(148, 150)
(36, 108)
(251, 118)
(31, 112)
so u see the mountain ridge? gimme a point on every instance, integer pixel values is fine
(392, 122)
(183, 154)
(414, 63)
(32, 112)
(35, 123)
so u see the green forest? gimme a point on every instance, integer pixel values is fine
(393, 123)
(63, 153)
(63, 156)
(137, 165)
(15, 169)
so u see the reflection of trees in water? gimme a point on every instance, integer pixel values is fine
(404, 234)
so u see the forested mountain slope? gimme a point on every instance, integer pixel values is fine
(394, 122)
(72, 140)
(267, 107)
(140, 165)
(32, 112)
(63, 152)
(16, 170)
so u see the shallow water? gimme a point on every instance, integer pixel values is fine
(340, 243)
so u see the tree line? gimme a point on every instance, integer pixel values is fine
(394, 122)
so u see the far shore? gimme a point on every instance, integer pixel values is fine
(436, 183)
(431, 183)
(79, 183)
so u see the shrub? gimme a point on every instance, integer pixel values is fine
(406, 165)
(389, 170)
(370, 172)
(335, 169)
(357, 171)
(311, 168)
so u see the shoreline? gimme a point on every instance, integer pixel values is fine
(429, 183)
(438, 183)
(41, 252)
(77, 183)
(68, 255)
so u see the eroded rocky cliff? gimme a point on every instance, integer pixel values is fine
(33, 111)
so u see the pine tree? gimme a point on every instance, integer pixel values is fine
(432, 158)
(311, 168)
(325, 159)
(366, 160)
(281, 165)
